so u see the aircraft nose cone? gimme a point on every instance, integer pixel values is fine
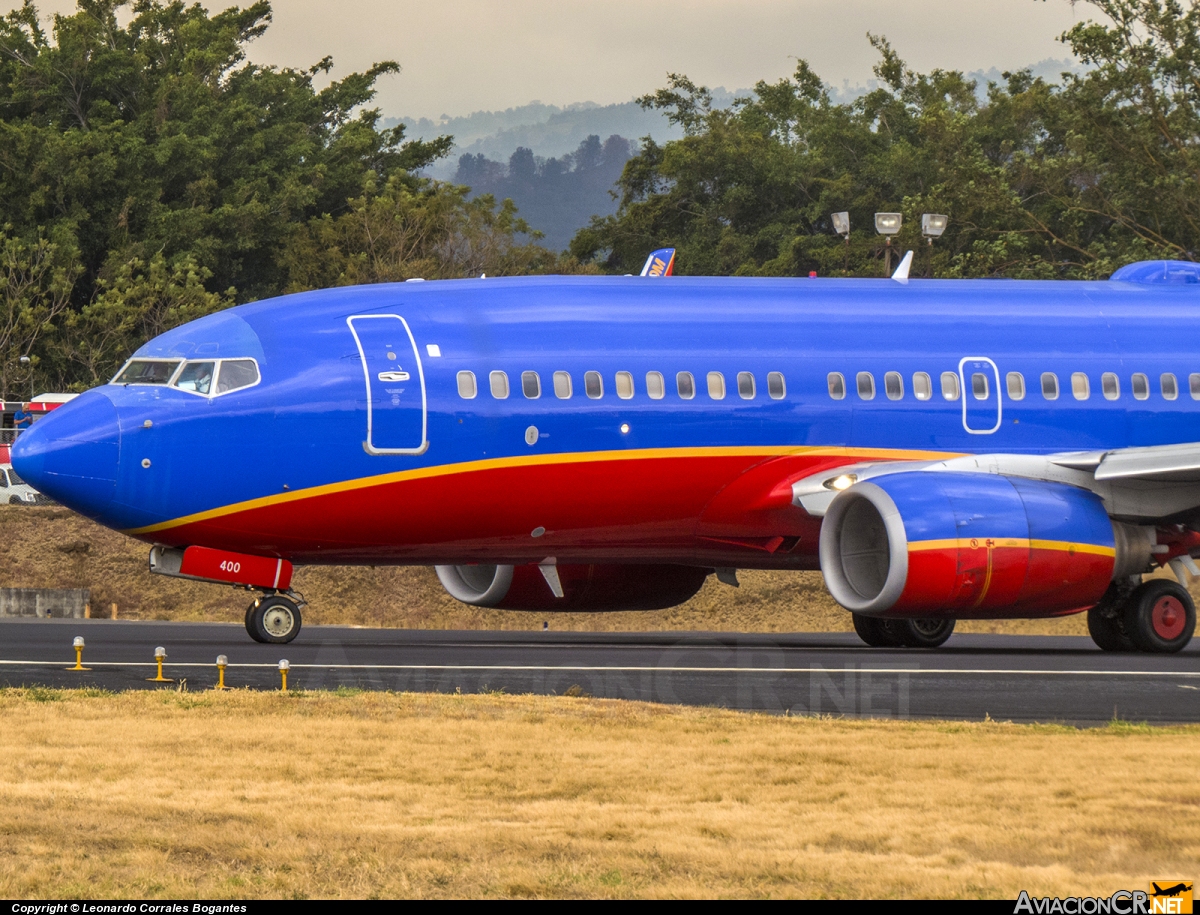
(72, 454)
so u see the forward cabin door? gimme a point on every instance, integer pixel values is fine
(980, 394)
(397, 411)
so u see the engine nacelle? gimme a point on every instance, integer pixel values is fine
(963, 545)
(585, 587)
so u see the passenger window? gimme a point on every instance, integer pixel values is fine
(562, 385)
(686, 385)
(1049, 386)
(1194, 385)
(466, 385)
(922, 386)
(1141, 386)
(1080, 389)
(716, 385)
(236, 374)
(197, 377)
(655, 387)
(146, 372)
(979, 386)
(1016, 386)
(745, 385)
(624, 385)
(531, 385)
(950, 386)
(866, 386)
(837, 385)
(1170, 387)
(499, 382)
(593, 385)
(3, 480)
(1110, 385)
(893, 385)
(777, 386)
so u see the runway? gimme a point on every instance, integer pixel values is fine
(1018, 678)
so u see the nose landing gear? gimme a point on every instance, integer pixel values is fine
(274, 618)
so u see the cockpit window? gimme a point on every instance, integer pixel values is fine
(235, 374)
(145, 371)
(196, 376)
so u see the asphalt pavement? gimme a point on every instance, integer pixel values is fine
(1019, 678)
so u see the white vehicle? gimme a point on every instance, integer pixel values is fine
(15, 491)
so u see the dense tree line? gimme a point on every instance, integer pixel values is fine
(1039, 180)
(556, 195)
(149, 174)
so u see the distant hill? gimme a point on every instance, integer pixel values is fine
(556, 195)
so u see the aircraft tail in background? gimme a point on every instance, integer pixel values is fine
(660, 263)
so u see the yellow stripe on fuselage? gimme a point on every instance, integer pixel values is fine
(534, 460)
(979, 543)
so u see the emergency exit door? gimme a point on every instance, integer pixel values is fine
(981, 403)
(396, 404)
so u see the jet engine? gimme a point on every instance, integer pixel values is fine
(965, 545)
(583, 587)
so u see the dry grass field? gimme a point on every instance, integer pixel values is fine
(50, 547)
(358, 795)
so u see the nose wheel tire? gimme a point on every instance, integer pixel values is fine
(1159, 616)
(274, 620)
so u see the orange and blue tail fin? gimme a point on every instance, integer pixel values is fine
(660, 263)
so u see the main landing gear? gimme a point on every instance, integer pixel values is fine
(274, 618)
(1157, 616)
(927, 633)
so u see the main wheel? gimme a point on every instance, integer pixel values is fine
(928, 633)
(877, 633)
(1160, 616)
(275, 619)
(1106, 626)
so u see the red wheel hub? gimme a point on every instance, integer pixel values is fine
(1168, 617)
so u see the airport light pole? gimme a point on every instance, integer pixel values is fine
(887, 225)
(25, 360)
(932, 226)
(841, 225)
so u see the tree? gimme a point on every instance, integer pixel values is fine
(412, 228)
(36, 280)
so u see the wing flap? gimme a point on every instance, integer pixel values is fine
(1173, 463)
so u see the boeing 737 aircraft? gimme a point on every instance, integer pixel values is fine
(939, 449)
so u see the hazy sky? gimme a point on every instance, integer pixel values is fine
(460, 56)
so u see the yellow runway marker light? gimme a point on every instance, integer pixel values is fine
(222, 661)
(159, 654)
(283, 669)
(78, 654)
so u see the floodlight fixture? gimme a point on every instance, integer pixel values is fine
(933, 225)
(841, 224)
(888, 223)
